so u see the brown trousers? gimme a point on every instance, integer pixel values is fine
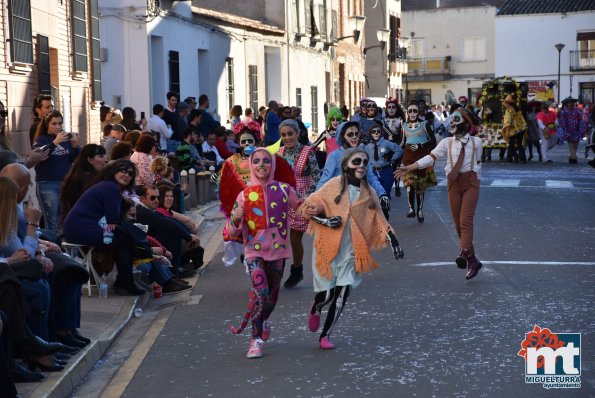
(463, 194)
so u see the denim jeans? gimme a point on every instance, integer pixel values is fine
(37, 293)
(48, 193)
(158, 272)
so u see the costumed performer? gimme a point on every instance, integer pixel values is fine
(419, 141)
(260, 216)
(348, 223)
(463, 169)
(392, 125)
(305, 167)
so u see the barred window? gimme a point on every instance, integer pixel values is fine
(79, 36)
(253, 86)
(314, 109)
(43, 65)
(174, 71)
(95, 49)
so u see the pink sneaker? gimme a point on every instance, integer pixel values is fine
(255, 350)
(313, 322)
(326, 344)
(266, 330)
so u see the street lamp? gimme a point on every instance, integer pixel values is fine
(559, 47)
(383, 35)
(357, 21)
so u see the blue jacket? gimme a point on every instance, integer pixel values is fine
(384, 147)
(58, 164)
(272, 128)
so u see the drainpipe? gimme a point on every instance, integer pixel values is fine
(287, 44)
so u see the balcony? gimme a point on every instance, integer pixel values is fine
(424, 69)
(582, 61)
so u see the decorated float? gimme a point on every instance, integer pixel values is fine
(492, 111)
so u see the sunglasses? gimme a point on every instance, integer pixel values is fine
(352, 135)
(412, 111)
(359, 162)
(4, 113)
(375, 131)
(247, 141)
(154, 197)
(126, 171)
(256, 161)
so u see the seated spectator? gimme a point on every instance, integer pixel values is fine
(116, 134)
(232, 145)
(210, 151)
(159, 168)
(82, 225)
(187, 153)
(105, 119)
(122, 150)
(132, 137)
(221, 142)
(168, 231)
(6, 383)
(144, 151)
(129, 119)
(157, 269)
(85, 171)
(234, 115)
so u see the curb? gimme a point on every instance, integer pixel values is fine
(62, 384)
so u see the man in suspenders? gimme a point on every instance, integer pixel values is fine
(463, 168)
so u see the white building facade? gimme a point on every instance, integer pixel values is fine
(525, 50)
(266, 53)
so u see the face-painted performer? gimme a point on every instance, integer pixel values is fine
(393, 126)
(463, 168)
(347, 223)
(328, 136)
(419, 141)
(260, 216)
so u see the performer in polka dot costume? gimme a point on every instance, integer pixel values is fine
(260, 216)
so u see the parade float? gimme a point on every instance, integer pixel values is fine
(492, 111)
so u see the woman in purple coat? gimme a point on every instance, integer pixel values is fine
(104, 200)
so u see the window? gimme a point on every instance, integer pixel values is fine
(79, 35)
(322, 15)
(21, 49)
(230, 83)
(395, 33)
(334, 28)
(308, 15)
(174, 71)
(314, 102)
(420, 94)
(253, 86)
(473, 49)
(473, 94)
(95, 50)
(298, 97)
(296, 15)
(43, 65)
(417, 49)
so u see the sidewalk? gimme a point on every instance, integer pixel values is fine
(102, 321)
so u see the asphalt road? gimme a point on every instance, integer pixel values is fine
(414, 327)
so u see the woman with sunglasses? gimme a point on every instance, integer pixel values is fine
(259, 216)
(419, 140)
(303, 161)
(348, 223)
(104, 199)
(349, 136)
(382, 154)
(49, 174)
(463, 169)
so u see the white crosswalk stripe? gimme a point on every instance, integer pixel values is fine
(505, 182)
(516, 183)
(558, 184)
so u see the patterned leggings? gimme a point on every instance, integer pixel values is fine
(337, 296)
(266, 279)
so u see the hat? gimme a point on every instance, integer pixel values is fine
(509, 99)
(567, 100)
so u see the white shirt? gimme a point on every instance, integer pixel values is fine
(207, 148)
(442, 150)
(155, 123)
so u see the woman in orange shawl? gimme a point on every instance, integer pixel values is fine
(348, 222)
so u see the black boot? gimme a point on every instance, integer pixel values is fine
(411, 202)
(296, 275)
(420, 207)
(397, 189)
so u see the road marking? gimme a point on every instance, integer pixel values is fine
(194, 300)
(558, 184)
(505, 183)
(519, 262)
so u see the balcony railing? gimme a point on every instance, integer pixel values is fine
(582, 60)
(429, 66)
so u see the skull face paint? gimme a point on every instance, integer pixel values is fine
(458, 125)
(391, 110)
(412, 113)
(357, 166)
